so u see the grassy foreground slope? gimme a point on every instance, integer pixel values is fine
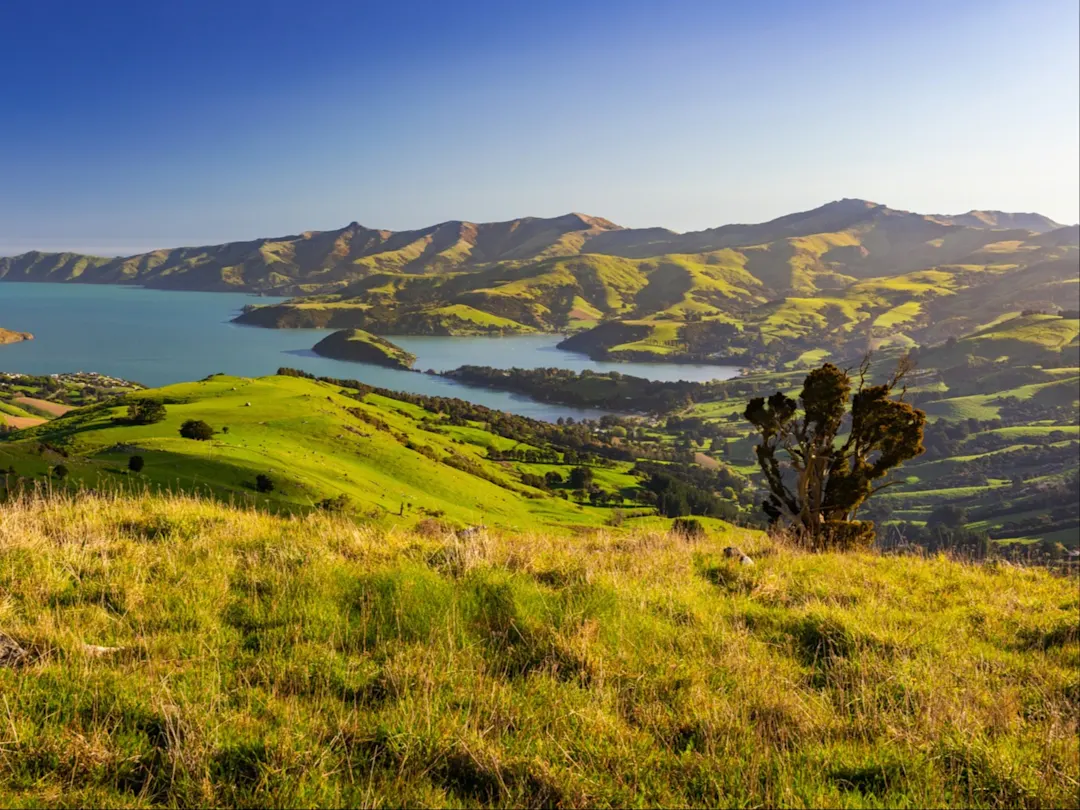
(179, 652)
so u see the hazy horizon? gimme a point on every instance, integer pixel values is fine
(198, 124)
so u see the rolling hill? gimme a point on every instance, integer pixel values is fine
(389, 458)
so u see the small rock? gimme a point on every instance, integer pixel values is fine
(10, 651)
(736, 553)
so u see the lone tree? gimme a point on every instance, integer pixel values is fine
(136, 463)
(817, 490)
(196, 429)
(146, 411)
(264, 483)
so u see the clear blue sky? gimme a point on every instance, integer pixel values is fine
(131, 125)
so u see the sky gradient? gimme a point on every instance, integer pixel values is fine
(126, 126)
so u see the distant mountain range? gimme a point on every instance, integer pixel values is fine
(833, 281)
(880, 240)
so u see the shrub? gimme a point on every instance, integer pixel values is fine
(136, 463)
(60, 471)
(339, 504)
(263, 483)
(690, 528)
(196, 429)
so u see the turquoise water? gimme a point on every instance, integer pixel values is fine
(158, 337)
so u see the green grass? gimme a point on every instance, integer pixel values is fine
(302, 434)
(1032, 431)
(475, 316)
(262, 661)
(977, 406)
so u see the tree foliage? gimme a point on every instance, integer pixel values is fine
(196, 429)
(146, 411)
(818, 483)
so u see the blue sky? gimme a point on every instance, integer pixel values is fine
(131, 125)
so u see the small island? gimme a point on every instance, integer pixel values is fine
(364, 347)
(8, 336)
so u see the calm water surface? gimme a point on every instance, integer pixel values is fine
(158, 337)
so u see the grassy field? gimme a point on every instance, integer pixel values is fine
(179, 652)
(314, 443)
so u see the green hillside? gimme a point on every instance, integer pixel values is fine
(337, 444)
(1002, 447)
(167, 651)
(848, 275)
(837, 292)
(313, 440)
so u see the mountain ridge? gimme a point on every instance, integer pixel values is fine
(322, 261)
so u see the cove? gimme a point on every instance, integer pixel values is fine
(159, 337)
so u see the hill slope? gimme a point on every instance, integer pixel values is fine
(176, 652)
(316, 441)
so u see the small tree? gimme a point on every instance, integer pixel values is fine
(263, 483)
(60, 471)
(196, 429)
(818, 489)
(136, 463)
(146, 411)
